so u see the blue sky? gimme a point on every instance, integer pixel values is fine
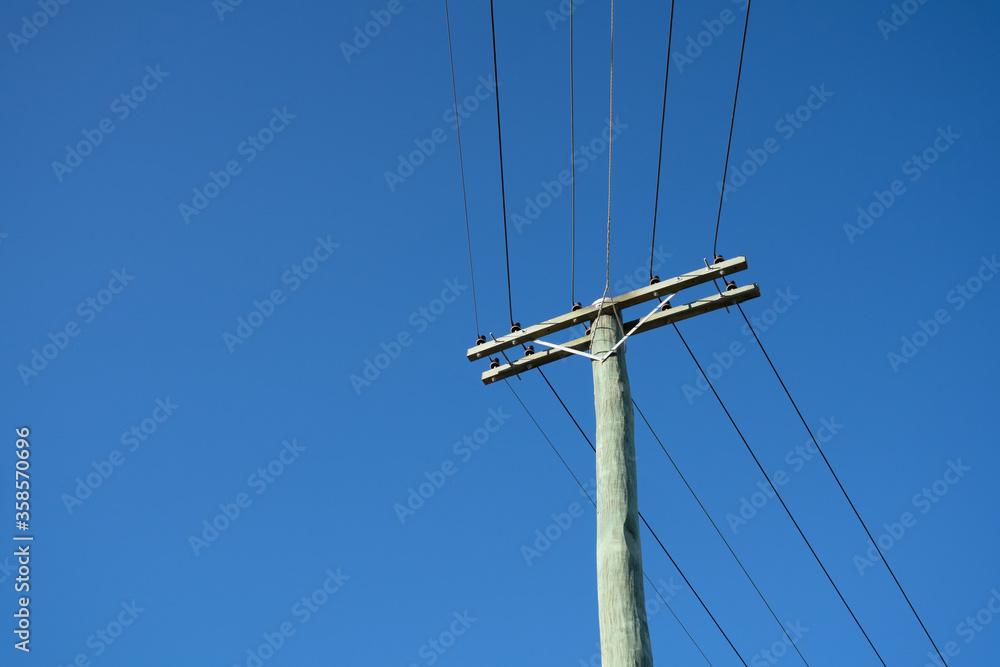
(220, 216)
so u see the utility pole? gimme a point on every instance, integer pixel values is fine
(621, 599)
(620, 593)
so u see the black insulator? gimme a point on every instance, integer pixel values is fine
(577, 306)
(719, 259)
(587, 332)
(529, 350)
(481, 339)
(665, 305)
(515, 327)
(654, 280)
(731, 285)
(494, 362)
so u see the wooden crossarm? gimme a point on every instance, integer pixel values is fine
(588, 313)
(669, 316)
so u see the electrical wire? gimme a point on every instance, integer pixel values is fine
(503, 196)
(714, 525)
(842, 489)
(461, 166)
(663, 117)
(592, 502)
(566, 465)
(611, 116)
(679, 571)
(572, 164)
(778, 496)
(653, 533)
(664, 600)
(722, 190)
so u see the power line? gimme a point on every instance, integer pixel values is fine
(572, 165)
(714, 525)
(663, 117)
(664, 600)
(559, 398)
(778, 496)
(592, 502)
(842, 489)
(611, 118)
(732, 122)
(566, 465)
(461, 166)
(503, 196)
(679, 570)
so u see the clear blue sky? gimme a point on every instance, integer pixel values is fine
(202, 246)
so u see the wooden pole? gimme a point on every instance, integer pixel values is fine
(621, 599)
